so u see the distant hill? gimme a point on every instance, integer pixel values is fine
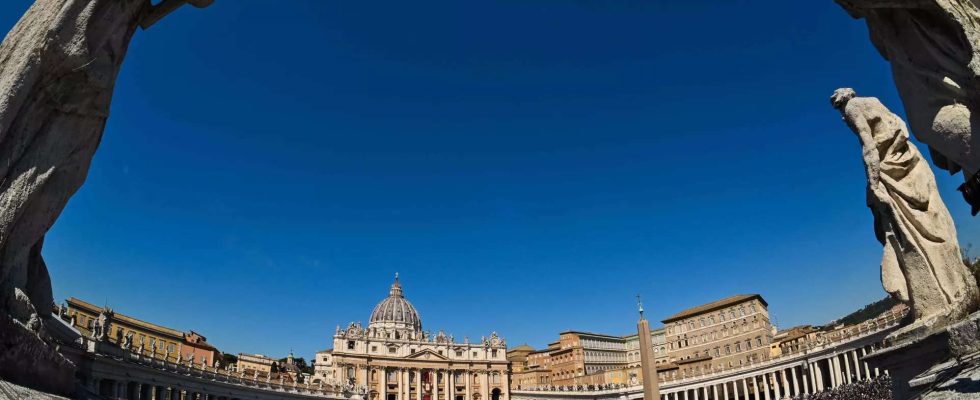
(869, 311)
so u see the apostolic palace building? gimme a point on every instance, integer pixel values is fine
(394, 359)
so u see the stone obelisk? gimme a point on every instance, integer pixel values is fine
(651, 386)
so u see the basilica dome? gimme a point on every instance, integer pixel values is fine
(395, 312)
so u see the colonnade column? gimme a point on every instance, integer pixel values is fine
(857, 365)
(755, 387)
(838, 371)
(796, 383)
(724, 390)
(803, 377)
(469, 391)
(867, 372)
(847, 370)
(776, 390)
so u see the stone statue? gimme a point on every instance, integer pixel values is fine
(934, 50)
(922, 264)
(58, 66)
(128, 341)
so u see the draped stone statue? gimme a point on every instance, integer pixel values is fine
(934, 50)
(58, 67)
(922, 263)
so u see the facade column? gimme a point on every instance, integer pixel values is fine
(714, 392)
(434, 382)
(383, 384)
(485, 386)
(505, 379)
(755, 388)
(847, 370)
(449, 385)
(403, 385)
(745, 389)
(469, 391)
(418, 384)
(831, 372)
(724, 390)
(696, 390)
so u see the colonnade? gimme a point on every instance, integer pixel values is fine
(134, 390)
(805, 377)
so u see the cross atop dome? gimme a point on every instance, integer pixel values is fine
(396, 288)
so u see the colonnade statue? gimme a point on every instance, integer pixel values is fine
(934, 50)
(58, 66)
(922, 263)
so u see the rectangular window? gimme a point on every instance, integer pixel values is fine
(350, 345)
(374, 349)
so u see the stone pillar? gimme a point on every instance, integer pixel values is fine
(745, 389)
(796, 384)
(724, 390)
(405, 385)
(434, 384)
(765, 387)
(364, 377)
(714, 392)
(383, 384)
(803, 377)
(506, 385)
(755, 388)
(857, 365)
(449, 384)
(696, 390)
(469, 391)
(837, 372)
(867, 373)
(418, 384)
(785, 383)
(841, 380)
(847, 369)
(485, 385)
(776, 390)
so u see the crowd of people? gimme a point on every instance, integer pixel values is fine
(876, 389)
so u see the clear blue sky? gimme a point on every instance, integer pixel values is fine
(527, 166)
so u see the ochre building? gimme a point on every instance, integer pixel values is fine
(148, 338)
(394, 359)
(727, 333)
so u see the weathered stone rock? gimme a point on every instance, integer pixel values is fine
(58, 67)
(922, 263)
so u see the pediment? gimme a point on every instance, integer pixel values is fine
(427, 354)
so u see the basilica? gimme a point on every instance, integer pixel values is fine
(394, 359)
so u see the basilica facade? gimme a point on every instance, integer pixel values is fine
(393, 358)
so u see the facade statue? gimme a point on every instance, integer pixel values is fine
(934, 50)
(58, 67)
(922, 263)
